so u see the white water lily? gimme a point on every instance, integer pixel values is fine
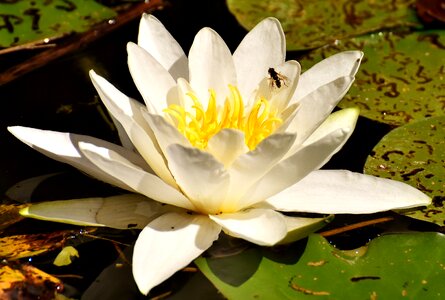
(228, 141)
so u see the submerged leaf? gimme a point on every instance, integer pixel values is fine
(402, 76)
(26, 21)
(19, 246)
(390, 267)
(28, 282)
(310, 24)
(415, 154)
(9, 214)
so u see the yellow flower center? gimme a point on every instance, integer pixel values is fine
(198, 126)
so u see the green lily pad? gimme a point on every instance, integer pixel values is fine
(26, 21)
(415, 154)
(402, 76)
(309, 24)
(392, 266)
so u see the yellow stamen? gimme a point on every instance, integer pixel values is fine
(199, 125)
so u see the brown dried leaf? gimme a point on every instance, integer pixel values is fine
(19, 246)
(19, 281)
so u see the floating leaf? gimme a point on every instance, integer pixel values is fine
(19, 246)
(415, 154)
(28, 282)
(401, 79)
(392, 266)
(26, 20)
(310, 24)
(121, 212)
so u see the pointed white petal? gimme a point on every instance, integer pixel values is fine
(139, 180)
(153, 81)
(344, 119)
(343, 64)
(121, 212)
(211, 66)
(166, 134)
(64, 147)
(201, 177)
(262, 48)
(157, 41)
(227, 145)
(316, 107)
(261, 226)
(345, 192)
(291, 170)
(129, 114)
(168, 244)
(299, 228)
(250, 167)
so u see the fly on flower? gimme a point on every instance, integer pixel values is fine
(276, 79)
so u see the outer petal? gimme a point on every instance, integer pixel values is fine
(343, 64)
(262, 48)
(211, 66)
(298, 228)
(139, 180)
(227, 145)
(201, 177)
(168, 244)
(316, 107)
(340, 192)
(123, 211)
(64, 147)
(153, 81)
(129, 114)
(291, 170)
(157, 41)
(261, 226)
(345, 119)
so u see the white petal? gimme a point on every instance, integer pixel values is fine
(264, 227)
(139, 180)
(344, 119)
(343, 64)
(64, 147)
(227, 145)
(168, 244)
(121, 212)
(157, 41)
(299, 228)
(316, 107)
(153, 81)
(211, 66)
(250, 167)
(129, 113)
(345, 192)
(201, 177)
(166, 134)
(291, 170)
(262, 48)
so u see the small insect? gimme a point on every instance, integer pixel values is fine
(276, 79)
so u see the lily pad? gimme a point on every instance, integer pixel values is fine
(25, 21)
(390, 267)
(309, 24)
(415, 154)
(402, 76)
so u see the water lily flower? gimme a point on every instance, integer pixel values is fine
(227, 141)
